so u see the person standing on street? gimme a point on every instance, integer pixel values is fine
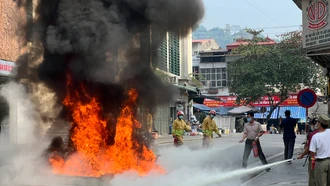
(252, 132)
(320, 152)
(289, 136)
(179, 127)
(311, 179)
(209, 127)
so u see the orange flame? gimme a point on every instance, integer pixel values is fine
(93, 156)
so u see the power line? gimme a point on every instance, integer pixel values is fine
(268, 28)
(263, 28)
(290, 26)
(264, 13)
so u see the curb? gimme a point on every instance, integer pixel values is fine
(263, 172)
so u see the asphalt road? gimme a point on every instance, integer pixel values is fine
(188, 165)
(227, 154)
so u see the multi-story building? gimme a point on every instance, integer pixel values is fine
(173, 57)
(213, 67)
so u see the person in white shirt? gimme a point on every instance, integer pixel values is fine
(320, 151)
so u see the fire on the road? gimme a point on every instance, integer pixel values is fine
(92, 156)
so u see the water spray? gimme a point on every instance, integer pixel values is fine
(213, 179)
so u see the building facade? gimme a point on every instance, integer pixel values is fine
(316, 33)
(171, 54)
(211, 64)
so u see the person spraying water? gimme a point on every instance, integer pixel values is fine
(252, 132)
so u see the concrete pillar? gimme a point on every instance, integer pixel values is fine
(186, 55)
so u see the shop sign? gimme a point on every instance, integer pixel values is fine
(230, 101)
(7, 68)
(316, 28)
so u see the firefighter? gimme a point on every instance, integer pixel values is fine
(179, 127)
(208, 128)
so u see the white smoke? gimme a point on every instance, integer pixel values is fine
(20, 144)
(183, 167)
(22, 114)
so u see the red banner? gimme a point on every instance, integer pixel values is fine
(230, 101)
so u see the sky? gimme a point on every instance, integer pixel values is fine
(274, 16)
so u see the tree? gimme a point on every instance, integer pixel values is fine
(272, 70)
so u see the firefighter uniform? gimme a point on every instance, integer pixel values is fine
(208, 128)
(178, 129)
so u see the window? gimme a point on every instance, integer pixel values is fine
(217, 77)
(224, 83)
(213, 84)
(195, 69)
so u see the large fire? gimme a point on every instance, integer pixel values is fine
(93, 157)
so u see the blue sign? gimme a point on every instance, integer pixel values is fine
(306, 98)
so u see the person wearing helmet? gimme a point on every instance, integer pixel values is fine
(178, 128)
(209, 127)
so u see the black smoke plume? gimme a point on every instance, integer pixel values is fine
(101, 43)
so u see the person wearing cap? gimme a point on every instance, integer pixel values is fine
(179, 127)
(311, 179)
(320, 151)
(252, 132)
(209, 127)
(289, 136)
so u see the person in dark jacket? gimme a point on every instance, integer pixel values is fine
(289, 136)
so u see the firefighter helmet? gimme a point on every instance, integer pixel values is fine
(213, 112)
(180, 113)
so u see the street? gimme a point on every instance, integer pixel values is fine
(187, 165)
(225, 156)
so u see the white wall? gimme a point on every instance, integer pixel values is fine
(204, 46)
(225, 122)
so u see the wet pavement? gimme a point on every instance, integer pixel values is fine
(226, 155)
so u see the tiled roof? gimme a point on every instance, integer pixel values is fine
(240, 42)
